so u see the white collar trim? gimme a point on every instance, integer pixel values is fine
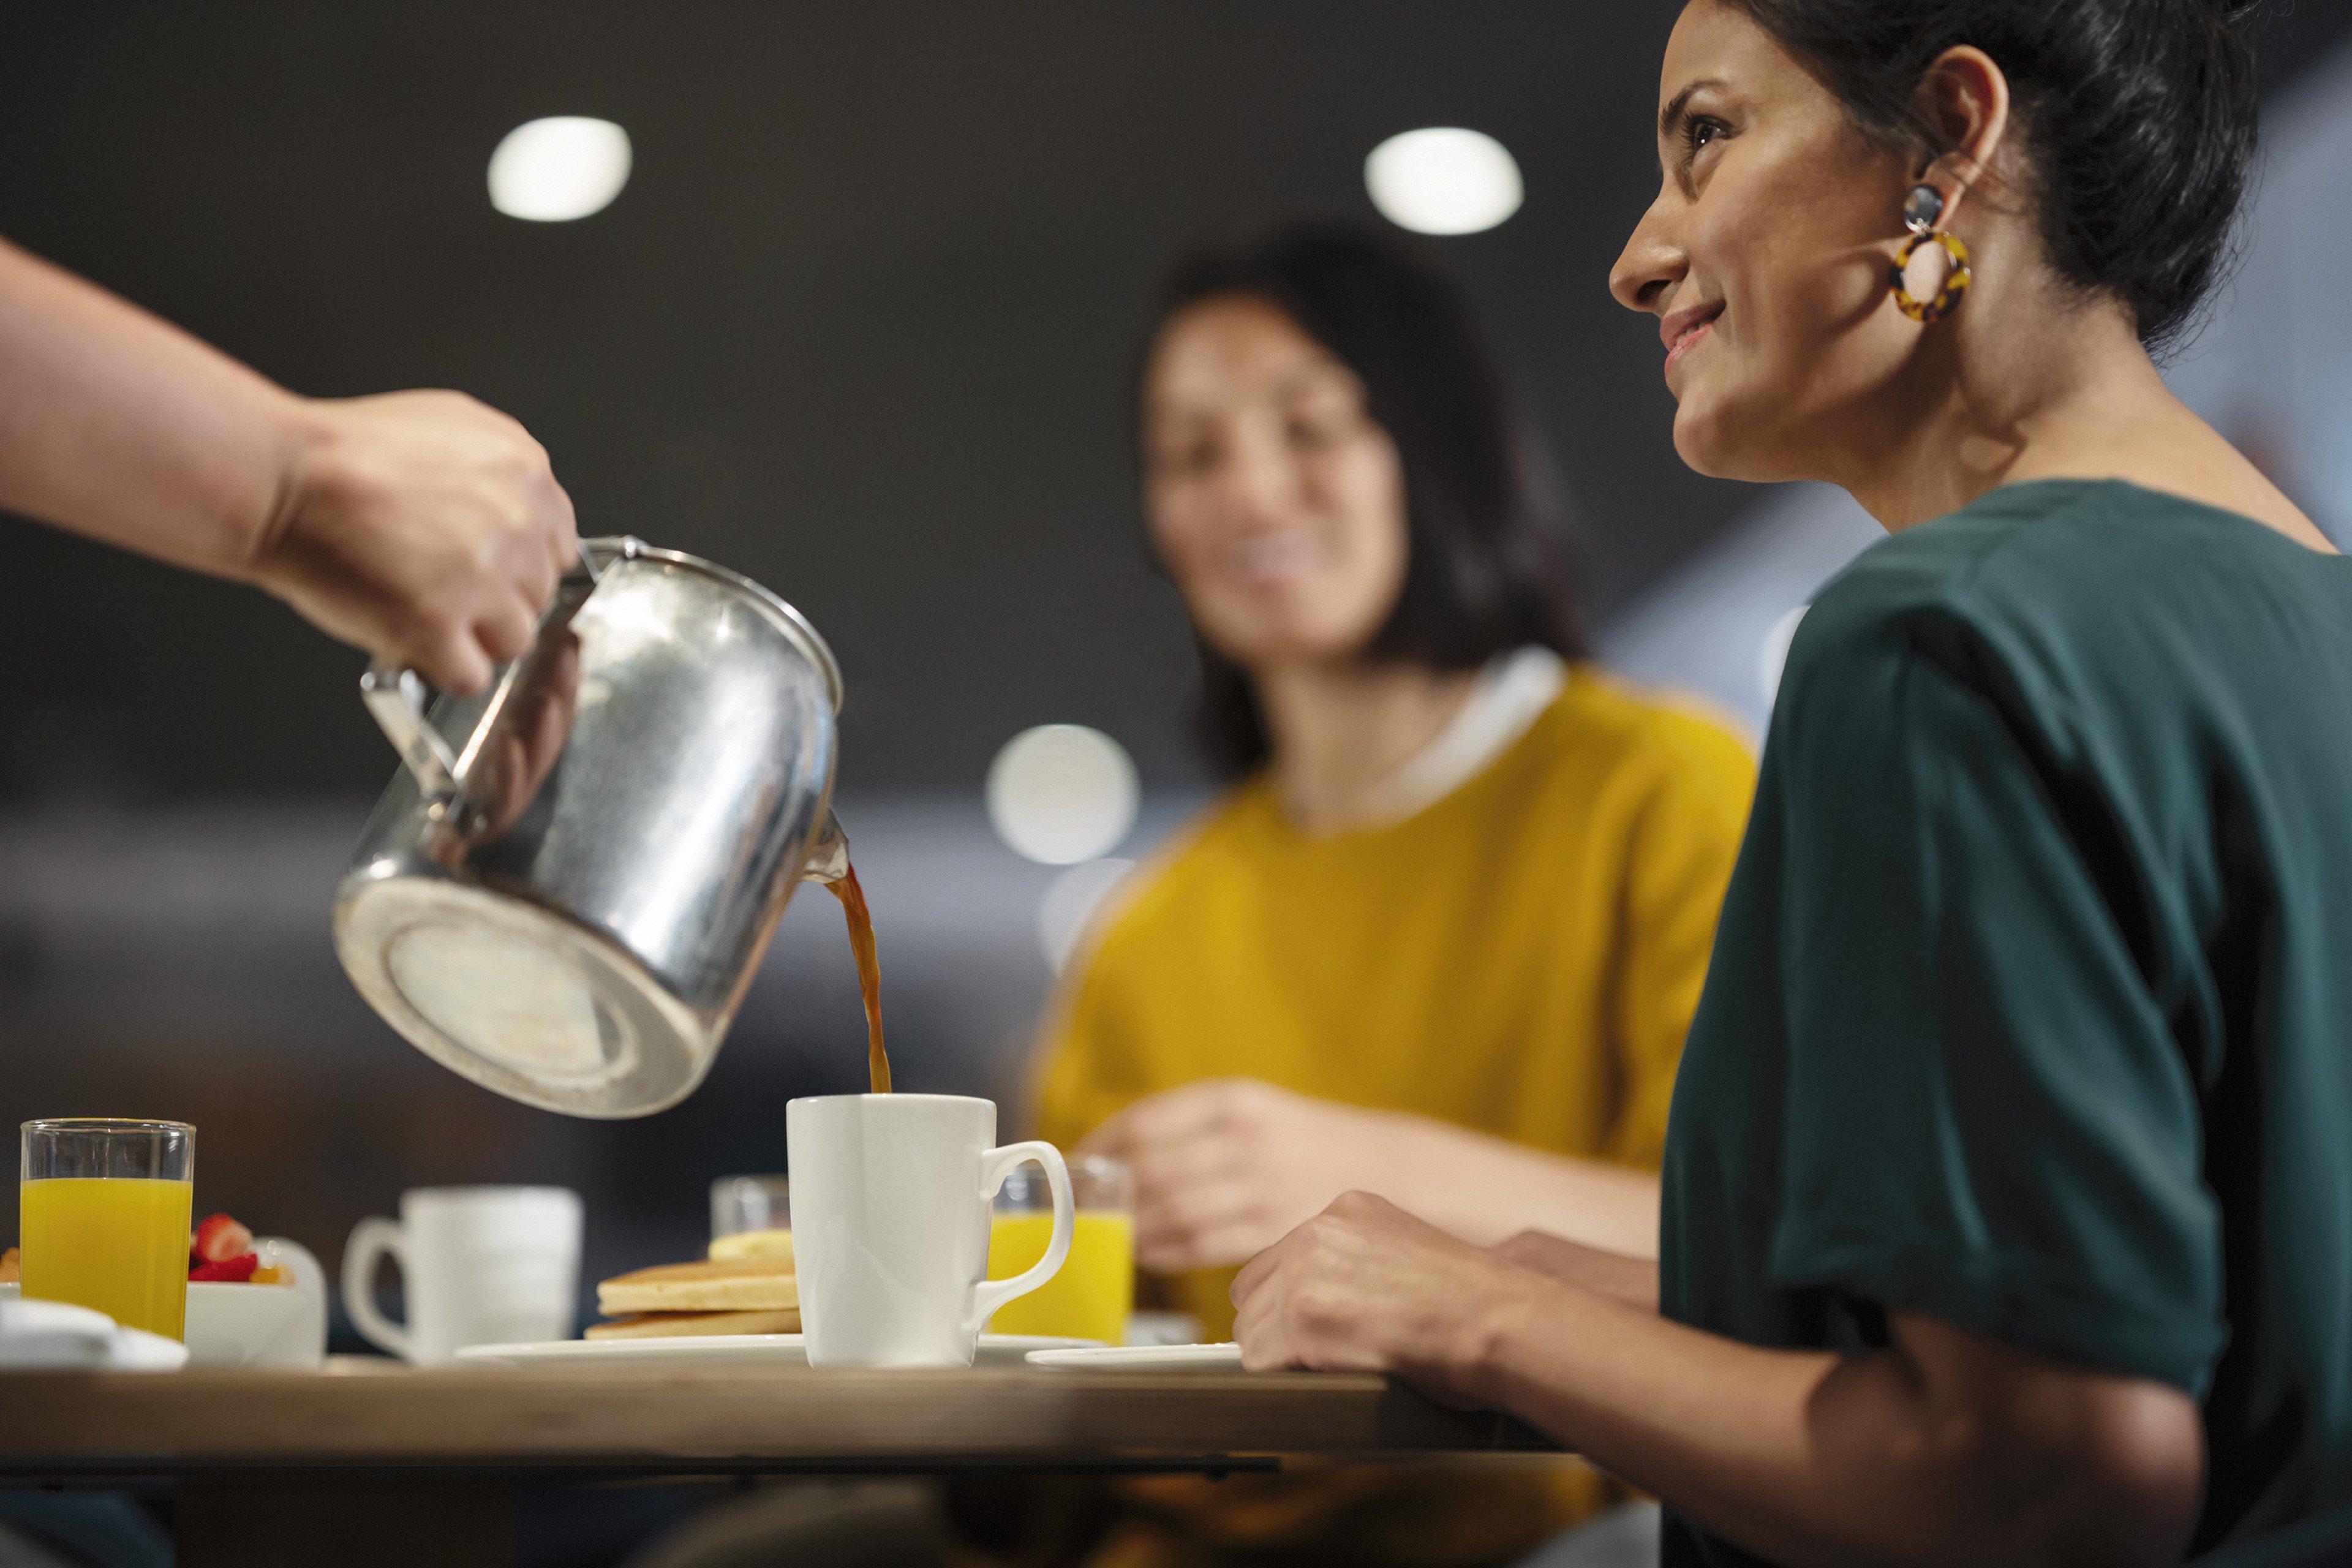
(1504, 703)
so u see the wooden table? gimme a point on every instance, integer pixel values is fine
(373, 1463)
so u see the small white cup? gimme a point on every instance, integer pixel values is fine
(890, 1220)
(478, 1266)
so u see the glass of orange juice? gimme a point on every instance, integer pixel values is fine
(750, 1216)
(1091, 1297)
(102, 1217)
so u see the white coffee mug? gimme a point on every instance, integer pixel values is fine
(890, 1223)
(478, 1266)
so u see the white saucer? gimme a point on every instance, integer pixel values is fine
(1141, 1358)
(729, 1349)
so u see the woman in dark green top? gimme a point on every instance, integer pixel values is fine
(2009, 1189)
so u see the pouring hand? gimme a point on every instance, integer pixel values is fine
(423, 526)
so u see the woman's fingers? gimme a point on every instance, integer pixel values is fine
(1176, 1115)
(1166, 1169)
(1198, 1227)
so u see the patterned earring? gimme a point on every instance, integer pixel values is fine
(1921, 211)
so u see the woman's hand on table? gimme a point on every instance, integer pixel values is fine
(1945, 1446)
(1225, 1168)
(1365, 1287)
(423, 526)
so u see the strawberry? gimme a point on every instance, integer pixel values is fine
(218, 1239)
(231, 1271)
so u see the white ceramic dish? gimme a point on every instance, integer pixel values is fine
(261, 1325)
(727, 1350)
(256, 1325)
(1141, 1358)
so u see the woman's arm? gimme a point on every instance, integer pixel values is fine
(1225, 1167)
(1946, 1446)
(420, 525)
(1620, 1277)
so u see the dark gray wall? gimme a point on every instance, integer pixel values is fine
(861, 325)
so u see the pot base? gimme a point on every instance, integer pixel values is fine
(518, 998)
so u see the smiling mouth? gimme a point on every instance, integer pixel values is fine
(1688, 331)
(1275, 560)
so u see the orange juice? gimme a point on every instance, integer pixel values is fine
(117, 1244)
(1094, 1292)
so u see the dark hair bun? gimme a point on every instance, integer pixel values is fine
(2139, 120)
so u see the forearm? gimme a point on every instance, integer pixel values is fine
(1486, 1190)
(1802, 1457)
(120, 426)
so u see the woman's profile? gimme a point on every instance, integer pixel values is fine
(2006, 1208)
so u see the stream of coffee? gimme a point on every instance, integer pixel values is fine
(870, 974)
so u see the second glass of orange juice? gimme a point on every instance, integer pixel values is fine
(102, 1217)
(1091, 1297)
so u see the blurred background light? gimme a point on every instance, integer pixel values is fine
(1068, 907)
(1444, 179)
(564, 167)
(1061, 793)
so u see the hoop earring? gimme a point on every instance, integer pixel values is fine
(1922, 210)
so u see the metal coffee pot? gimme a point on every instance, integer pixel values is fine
(567, 888)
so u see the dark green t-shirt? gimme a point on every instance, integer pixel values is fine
(2030, 1008)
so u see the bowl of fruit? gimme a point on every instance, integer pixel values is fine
(252, 1301)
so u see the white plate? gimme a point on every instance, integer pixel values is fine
(1142, 1357)
(727, 1350)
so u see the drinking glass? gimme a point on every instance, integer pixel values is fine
(104, 1211)
(1091, 1298)
(750, 1216)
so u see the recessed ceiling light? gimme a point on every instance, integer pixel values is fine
(1444, 179)
(552, 170)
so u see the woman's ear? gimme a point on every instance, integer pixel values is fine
(1965, 96)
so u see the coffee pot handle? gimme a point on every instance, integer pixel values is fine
(396, 695)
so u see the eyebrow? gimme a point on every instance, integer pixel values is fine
(1673, 114)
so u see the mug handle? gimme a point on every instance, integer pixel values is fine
(994, 1167)
(371, 1239)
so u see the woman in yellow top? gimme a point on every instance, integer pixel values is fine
(1442, 939)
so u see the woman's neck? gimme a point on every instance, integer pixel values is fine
(1338, 731)
(2030, 383)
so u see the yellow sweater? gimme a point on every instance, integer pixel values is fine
(1521, 957)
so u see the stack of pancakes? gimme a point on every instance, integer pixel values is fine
(746, 1296)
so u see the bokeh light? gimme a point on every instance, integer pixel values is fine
(1067, 909)
(554, 170)
(1444, 179)
(1061, 793)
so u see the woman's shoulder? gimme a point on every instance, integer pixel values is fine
(2044, 545)
(1220, 840)
(1601, 723)
(2078, 571)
